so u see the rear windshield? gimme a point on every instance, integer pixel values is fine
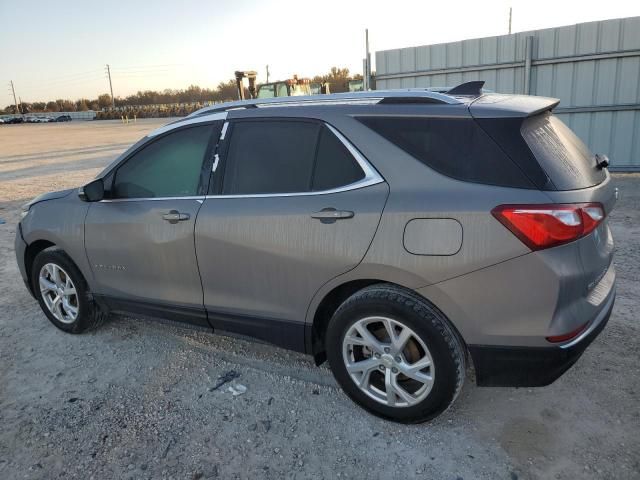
(563, 156)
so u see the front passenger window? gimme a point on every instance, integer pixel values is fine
(169, 167)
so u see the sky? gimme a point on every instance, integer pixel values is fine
(59, 49)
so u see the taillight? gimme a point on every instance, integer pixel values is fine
(592, 215)
(542, 226)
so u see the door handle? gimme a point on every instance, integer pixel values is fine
(175, 216)
(330, 215)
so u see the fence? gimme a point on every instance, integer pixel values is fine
(156, 110)
(88, 115)
(593, 68)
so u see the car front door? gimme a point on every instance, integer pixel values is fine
(293, 205)
(140, 239)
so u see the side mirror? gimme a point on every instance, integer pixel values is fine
(93, 191)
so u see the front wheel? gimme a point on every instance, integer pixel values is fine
(395, 354)
(62, 292)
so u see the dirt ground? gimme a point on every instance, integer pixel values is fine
(136, 398)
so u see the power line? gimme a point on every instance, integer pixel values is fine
(146, 75)
(45, 89)
(44, 85)
(50, 93)
(140, 72)
(66, 78)
(73, 74)
(145, 67)
(91, 74)
(140, 75)
(88, 78)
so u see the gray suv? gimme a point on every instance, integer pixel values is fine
(400, 235)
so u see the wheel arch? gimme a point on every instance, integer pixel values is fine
(315, 330)
(30, 253)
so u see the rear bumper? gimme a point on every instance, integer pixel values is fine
(534, 366)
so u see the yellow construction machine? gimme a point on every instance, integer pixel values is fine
(284, 88)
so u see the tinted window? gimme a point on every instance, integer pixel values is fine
(506, 133)
(168, 167)
(456, 147)
(270, 157)
(565, 158)
(335, 166)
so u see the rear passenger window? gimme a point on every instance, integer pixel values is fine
(284, 156)
(335, 166)
(456, 147)
(270, 157)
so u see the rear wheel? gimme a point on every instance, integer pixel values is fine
(62, 292)
(395, 354)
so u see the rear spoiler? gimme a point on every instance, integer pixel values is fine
(495, 105)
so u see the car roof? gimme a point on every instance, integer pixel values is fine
(354, 98)
(470, 96)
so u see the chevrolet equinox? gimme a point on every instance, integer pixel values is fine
(401, 235)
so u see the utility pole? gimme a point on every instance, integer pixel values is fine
(267, 74)
(510, 12)
(113, 101)
(14, 97)
(366, 77)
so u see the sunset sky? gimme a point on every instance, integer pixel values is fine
(59, 49)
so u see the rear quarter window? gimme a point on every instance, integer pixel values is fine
(335, 166)
(455, 147)
(563, 156)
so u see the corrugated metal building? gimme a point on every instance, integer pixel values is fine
(593, 68)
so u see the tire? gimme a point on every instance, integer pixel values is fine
(430, 341)
(87, 313)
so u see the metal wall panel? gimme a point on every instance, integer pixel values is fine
(593, 68)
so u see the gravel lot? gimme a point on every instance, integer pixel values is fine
(136, 398)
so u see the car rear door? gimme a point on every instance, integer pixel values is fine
(140, 240)
(293, 204)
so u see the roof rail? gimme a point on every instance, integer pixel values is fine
(412, 95)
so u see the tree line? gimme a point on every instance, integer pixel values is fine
(224, 91)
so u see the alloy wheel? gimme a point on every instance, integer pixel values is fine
(59, 293)
(388, 361)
